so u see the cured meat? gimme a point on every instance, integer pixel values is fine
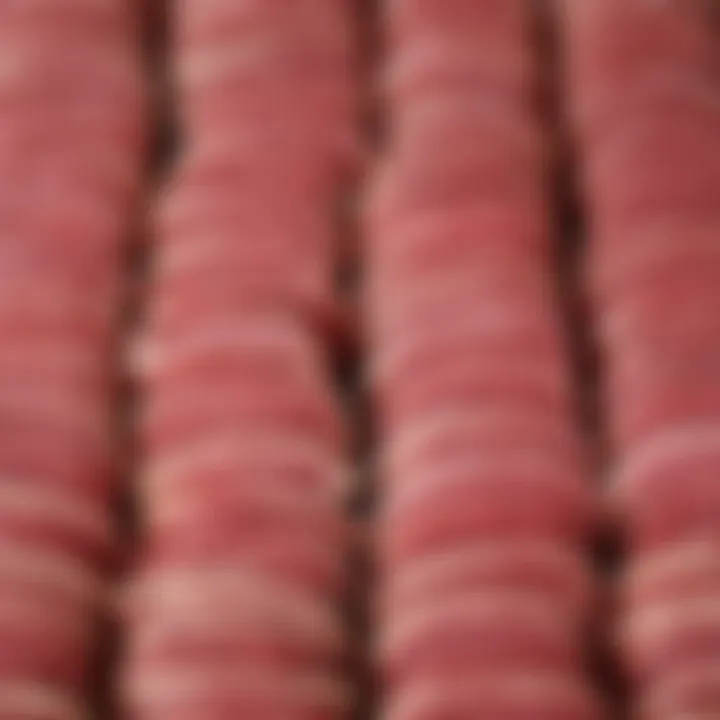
(526, 696)
(549, 572)
(234, 604)
(70, 169)
(485, 506)
(643, 92)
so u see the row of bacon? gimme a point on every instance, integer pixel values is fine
(72, 142)
(233, 609)
(486, 602)
(643, 88)
(485, 593)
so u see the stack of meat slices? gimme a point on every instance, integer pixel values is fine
(266, 111)
(485, 503)
(235, 606)
(69, 167)
(645, 96)
(71, 136)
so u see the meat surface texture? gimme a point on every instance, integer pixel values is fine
(643, 95)
(486, 507)
(234, 607)
(72, 126)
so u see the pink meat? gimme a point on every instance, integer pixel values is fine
(515, 505)
(663, 52)
(233, 608)
(642, 93)
(525, 696)
(479, 456)
(693, 692)
(470, 634)
(211, 404)
(71, 173)
(682, 571)
(546, 572)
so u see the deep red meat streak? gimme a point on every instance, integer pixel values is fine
(234, 609)
(485, 503)
(644, 99)
(72, 132)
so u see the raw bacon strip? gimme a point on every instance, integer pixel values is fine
(485, 505)
(72, 127)
(644, 94)
(235, 604)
